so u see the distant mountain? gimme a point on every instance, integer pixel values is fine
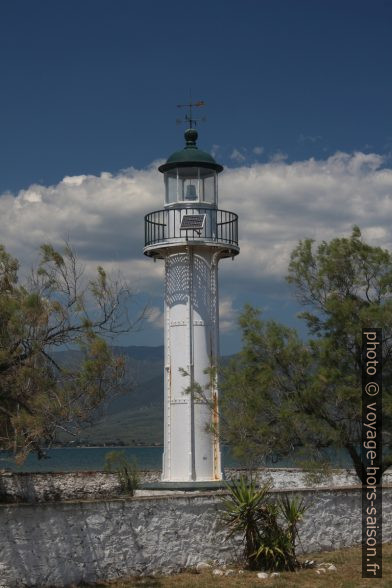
(136, 416)
(141, 352)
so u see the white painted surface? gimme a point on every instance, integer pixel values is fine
(81, 485)
(63, 543)
(191, 450)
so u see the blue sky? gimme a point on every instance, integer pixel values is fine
(92, 86)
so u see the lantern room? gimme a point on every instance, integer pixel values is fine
(191, 191)
(191, 176)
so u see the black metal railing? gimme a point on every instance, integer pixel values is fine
(165, 225)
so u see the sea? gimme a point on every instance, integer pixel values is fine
(76, 459)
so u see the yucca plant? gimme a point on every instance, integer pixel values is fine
(243, 512)
(277, 544)
(293, 511)
(275, 550)
(269, 529)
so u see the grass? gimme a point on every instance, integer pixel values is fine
(348, 575)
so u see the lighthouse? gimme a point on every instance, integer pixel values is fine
(191, 235)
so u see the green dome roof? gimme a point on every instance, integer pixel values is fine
(190, 156)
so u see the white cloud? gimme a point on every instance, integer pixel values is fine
(101, 216)
(155, 316)
(258, 150)
(215, 150)
(309, 138)
(227, 315)
(236, 155)
(278, 204)
(278, 157)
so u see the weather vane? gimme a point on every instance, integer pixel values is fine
(189, 117)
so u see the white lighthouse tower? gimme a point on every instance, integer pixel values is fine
(191, 234)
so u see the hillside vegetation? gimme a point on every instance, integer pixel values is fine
(134, 417)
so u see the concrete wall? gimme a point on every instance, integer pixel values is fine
(56, 544)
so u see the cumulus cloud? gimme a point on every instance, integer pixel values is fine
(227, 315)
(155, 316)
(309, 138)
(278, 204)
(215, 150)
(258, 150)
(236, 155)
(278, 156)
(101, 216)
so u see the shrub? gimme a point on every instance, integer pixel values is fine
(127, 471)
(269, 529)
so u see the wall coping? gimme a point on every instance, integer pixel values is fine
(178, 496)
(6, 472)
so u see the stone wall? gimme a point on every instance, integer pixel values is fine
(38, 487)
(54, 486)
(60, 543)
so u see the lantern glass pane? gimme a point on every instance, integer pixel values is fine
(171, 187)
(209, 190)
(188, 184)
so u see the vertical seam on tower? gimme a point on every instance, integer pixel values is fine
(217, 473)
(168, 374)
(191, 359)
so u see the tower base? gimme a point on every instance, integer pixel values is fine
(184, 486)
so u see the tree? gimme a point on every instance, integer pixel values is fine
(284, 393)
(54, 309)
(258, 388)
